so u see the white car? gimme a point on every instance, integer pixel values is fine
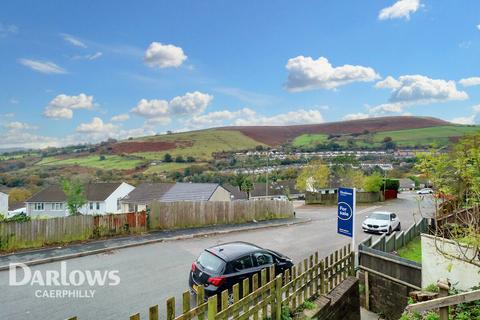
(381, 222)
(425, 191)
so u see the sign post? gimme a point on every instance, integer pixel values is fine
(346, 213)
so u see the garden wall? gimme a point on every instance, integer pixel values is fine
(331, 198)
(435, 265)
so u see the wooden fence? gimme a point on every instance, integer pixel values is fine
(163, 216)
(263, 295)
(185, 214)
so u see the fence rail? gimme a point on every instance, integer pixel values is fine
(263, 295)
(163, 216)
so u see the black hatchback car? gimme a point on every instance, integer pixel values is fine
(220, 267)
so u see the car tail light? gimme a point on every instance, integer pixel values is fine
(194, 267)
(216, 281)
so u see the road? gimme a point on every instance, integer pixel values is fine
(151, 273)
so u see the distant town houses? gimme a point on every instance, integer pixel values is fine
(146, 193)
(102, 198)
(281, 190)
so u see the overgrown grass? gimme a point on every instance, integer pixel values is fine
(93, 161)
(412, 251)
(168, 167)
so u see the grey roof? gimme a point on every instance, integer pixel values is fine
(169, 192)
(235, 191)
(92, 191)
(190, 192)
(147, 192)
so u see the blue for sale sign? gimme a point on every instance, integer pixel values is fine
(346, 211)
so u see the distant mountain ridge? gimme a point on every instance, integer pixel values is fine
(276, 135)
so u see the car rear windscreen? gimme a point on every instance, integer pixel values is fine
(210, 262)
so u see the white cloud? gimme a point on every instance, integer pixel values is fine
(476, 108)
(400, 9)
(151, 108)
(91, 57)
(478, 26)
(160, 111)
(190, 103)
(25, 139)
(160, 55)
(17, 125)
(96, 126)
(300, 116)
(62, 106)
(468, 82)
(43, 66)
(6, 30)
(305, 73)
(416, 89)
(249, 117)
(356, 116)
(72, 40)
(464, 120)
(120, 117)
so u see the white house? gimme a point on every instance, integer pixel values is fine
(102, 198)
(3, 203)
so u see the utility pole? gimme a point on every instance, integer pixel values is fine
(266, 176)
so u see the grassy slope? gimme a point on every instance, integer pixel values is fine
(412, 251)
(404, 138)
(309, 140)
(93, 161)
(200, 144)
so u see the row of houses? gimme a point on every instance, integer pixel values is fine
(121, 197)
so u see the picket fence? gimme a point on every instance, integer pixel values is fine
(264, 295)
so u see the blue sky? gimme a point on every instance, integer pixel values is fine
(85, 71)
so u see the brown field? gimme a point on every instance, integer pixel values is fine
(276, 135)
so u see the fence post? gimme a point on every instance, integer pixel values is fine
(212, 307)
(352, 264)
(153, 313)
(170, 308)
(367, 292)
(322, 277)
(278, 298)
(444, 287)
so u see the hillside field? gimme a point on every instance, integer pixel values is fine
(433, 136)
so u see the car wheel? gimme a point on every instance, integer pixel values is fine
(399, 227)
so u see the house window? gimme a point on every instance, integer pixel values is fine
(119, 205)
(91, 205)
(38, 206)
(98, 205)
(58, 206)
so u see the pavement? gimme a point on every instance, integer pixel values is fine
(368, 315)
(151, 273)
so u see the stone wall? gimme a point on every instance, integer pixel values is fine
(386, 297)
(342, 303)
